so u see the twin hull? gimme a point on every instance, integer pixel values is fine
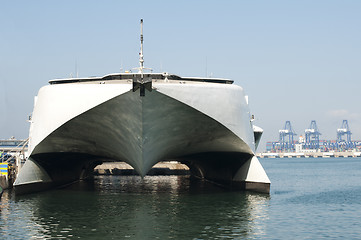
(76, 126)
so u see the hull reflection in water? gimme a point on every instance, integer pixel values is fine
(160, 207)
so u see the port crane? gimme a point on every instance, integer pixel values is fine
(344, 130)
(312, 141)
(287, 131)
(312, 136)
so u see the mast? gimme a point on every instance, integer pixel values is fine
(141, 80)
(141, 67)
(141, 56)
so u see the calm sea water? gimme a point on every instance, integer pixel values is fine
(309, 199)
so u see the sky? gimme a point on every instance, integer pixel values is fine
(296, 60)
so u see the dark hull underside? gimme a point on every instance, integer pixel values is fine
(219, 167)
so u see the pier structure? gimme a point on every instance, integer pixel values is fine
(351, 154)
(124, 169)
(13, 145)
(12, 157)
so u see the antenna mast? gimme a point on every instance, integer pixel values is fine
(141, 56)
(140, 80)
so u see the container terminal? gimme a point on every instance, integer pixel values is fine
(310, 144)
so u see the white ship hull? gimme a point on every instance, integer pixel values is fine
(206, 125)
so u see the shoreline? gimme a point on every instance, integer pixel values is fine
(310, 155)
(124, 169)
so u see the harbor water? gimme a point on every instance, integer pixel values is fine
(311, 198)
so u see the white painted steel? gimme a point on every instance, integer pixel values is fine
(252, 171)
(59, 103)
(223, 102)
(62, 103)
(32, 173)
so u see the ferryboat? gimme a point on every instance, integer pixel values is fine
(142, 118)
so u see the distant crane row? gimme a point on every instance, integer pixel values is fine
(312, 136)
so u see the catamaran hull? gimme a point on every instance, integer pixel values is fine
(77, 126)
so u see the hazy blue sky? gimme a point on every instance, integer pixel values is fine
(297, 60)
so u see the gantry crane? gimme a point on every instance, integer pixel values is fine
(312, 136)
(344, 130)
(287, 131)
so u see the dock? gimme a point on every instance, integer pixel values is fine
(124, 169)
(12, 157)
(309, 155)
